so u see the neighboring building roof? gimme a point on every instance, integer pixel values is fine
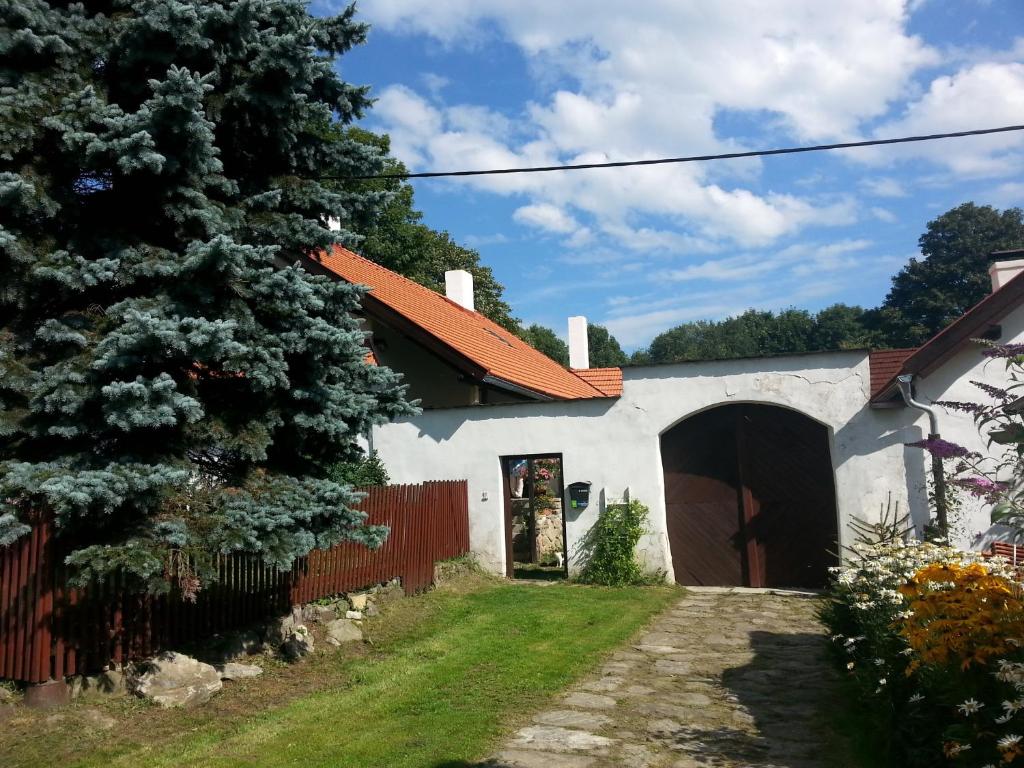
(606, 380)
(885, 364)
(951, 339)
(466, 339)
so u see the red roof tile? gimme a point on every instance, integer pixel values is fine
(885, 364)
(607, 380)
(495, 352)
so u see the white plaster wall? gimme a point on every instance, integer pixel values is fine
(952, 382)
(615, 443)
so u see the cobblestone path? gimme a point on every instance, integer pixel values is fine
(723, 678)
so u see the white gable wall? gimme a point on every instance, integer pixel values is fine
(614, 443)
(952, 382)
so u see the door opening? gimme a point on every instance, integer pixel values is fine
(534, 518)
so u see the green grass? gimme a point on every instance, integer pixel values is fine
(450, 674)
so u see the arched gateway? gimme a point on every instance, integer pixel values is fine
(750, 498)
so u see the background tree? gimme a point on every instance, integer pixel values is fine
(930, 293)
(603, 349)
(399, 240)
(546, 341)
(168, 383)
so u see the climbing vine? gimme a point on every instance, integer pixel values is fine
(607, 554)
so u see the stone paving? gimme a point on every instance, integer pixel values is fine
(723, 678)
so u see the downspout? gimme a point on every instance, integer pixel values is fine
(906, 382)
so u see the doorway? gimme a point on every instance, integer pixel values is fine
(534, 518)
(750, 498)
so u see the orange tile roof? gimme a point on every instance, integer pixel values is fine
(500, 354)
(884, 364)
(607, 380)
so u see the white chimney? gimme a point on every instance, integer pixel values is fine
(334, 224)
(579, 351)
(458, 286)
(1005, 266)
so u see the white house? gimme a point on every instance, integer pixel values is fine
(752, 468)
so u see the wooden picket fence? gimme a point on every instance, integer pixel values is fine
(49, 631)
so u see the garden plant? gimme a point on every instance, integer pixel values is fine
(931, 636)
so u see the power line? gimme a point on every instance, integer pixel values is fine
(690, 159)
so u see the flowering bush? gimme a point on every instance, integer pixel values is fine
(932, 637)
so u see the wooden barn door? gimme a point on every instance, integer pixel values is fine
(750, 498)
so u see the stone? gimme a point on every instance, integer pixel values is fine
(174, 680)
(233, 671)
(358, 600)
(603, 685)
(300, 643)
(53, 693)
(342, 631)
(570, 718)
(111, 682)
(527, 758)
(354, 615)
(372, 610)
(325, 614)
(76, 685)
(590, 701)
(554, 739)
(669, 667)
(279, 630)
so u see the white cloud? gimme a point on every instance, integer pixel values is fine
(987, 95)
(549, 218)
(647, 80)
(883, 187)
(1007, 195)
(884, 214)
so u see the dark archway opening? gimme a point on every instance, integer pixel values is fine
(750, 498)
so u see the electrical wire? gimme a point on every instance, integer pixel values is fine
(690, 159)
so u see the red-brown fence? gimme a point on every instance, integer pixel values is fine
(48, 631)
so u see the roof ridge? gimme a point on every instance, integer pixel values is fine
(486, 324)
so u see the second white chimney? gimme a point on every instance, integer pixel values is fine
(1004, 266)
(458, 286)
(579, 349)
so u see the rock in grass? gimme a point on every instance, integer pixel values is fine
(299, 643)
(233, 671)
(174, 680)
(343, 631)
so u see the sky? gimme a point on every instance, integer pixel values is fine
(467, 84)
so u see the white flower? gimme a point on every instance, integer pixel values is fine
(916, 698)
(1009, 741)
(882, 681)
(970, 706)
(1013, 707)
(849, 665)
(1003, 719)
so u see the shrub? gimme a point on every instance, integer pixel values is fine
(932, 636)
(368, 471)
(607, 553)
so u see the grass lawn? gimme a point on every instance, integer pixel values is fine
(448, 674)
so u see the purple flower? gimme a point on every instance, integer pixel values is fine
(953, 405)
(944, 449)
(1004, 350)
(996, 392)
(981, 487)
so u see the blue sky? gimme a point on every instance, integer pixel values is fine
(486, 83)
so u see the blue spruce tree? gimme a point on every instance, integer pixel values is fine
(171, 381)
